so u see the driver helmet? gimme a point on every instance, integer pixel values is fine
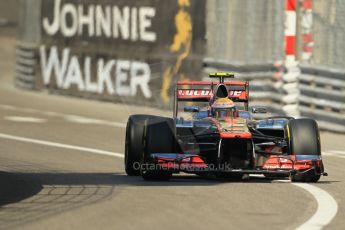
(223, 107)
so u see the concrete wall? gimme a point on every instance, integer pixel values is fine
(245, 31)
(131, 51)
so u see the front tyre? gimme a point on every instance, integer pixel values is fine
(159, 137)
(304, 139)
(134, 143)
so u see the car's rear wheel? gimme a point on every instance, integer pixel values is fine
(134, 143)
(159, 137)
(305, 177)
(304, 139)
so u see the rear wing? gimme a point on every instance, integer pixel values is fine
(202, 91)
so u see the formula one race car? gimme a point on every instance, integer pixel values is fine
(220, 137)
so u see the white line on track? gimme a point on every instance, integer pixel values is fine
(326, 210)
(59, 145)
(334, 153)
(337, 152)
(67, 117)
(24, 119)
(327, 207)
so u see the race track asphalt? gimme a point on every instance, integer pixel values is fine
(47, 181)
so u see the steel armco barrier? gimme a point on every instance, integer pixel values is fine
(26, 65)
(322, 96)
(320, 92)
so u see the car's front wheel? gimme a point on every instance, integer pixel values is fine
(159, 137)
(304, 139)
(134, 143)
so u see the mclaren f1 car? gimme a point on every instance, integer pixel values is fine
(216, 135)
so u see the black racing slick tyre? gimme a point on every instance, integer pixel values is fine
(305, 177)
(159, 137)
(134, 143)
(304, 139)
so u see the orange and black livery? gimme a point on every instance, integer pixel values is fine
(214, 133)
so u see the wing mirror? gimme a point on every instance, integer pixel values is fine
(191, 109)
(259, 110)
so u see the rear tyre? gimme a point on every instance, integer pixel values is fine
(134, 143)
(159, 137)
(308, 177)
(304, 139)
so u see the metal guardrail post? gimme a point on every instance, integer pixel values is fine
(290, 85)
(26, 60)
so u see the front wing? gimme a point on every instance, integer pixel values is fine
(284, 165)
